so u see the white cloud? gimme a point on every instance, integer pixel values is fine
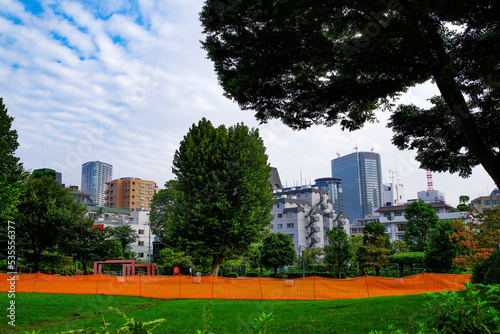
(122, 82)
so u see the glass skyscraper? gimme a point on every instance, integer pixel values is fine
(95, 174)
(361, 175)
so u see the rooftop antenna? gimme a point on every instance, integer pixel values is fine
(430, 186)
(373, 148)
(356, 148)
(338, 154)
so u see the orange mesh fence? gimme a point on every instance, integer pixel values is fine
(174, 287)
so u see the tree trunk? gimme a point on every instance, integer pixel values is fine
(216, 262)
(340, 271)
(445, 78)
(454, 98)
(36, 260)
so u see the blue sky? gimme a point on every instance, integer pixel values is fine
(122, 81)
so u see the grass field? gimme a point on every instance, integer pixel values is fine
(53, 313)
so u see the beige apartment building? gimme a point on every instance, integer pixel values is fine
(130, 193)
(483, 203)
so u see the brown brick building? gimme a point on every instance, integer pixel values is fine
(130, 193)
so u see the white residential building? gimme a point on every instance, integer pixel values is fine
(137, 220)
(431, 196)
(305, 215)
(393, 217)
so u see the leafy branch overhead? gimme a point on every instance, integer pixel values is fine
(331, 62)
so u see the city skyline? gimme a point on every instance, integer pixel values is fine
(122, 82)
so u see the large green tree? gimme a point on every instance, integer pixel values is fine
(441, 250)
(336, 62)
(278, 251)
(87, 243)
(339, 250)
(47, 216)
(421, 218)
(221, 199)
(126, 235)
(11, 170)
(372, 231)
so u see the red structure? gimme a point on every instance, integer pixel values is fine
(128, 268)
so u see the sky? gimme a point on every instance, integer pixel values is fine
(122, 82)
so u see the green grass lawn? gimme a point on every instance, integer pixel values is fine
(53, 313)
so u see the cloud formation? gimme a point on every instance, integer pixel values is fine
(122, 81)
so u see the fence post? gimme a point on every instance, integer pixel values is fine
(367, 288)
(314, 287)
(260, 287)
(425, 282)
(180, 286)
(97, 283)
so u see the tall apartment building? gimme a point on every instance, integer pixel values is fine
(130, 193)
(305, 215)
(334, 187)
(95, 175)
(361, 174)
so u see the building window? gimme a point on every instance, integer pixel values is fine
(289, 225)
(495, 202)
(278, 205)
(140, 232)
(292, 236)
(141, 243)
(289, 215)
(140, 254)
(280, 215)
(398, 213)
(280, 225)
(387, 215)
(272, 227)
(487, 202)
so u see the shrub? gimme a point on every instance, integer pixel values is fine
(282, 276)
(488, 271)
(451, 313)
(231, 275)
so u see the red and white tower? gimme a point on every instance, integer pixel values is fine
(430, 186)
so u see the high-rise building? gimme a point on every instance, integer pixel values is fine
(361, 174)
(56, 176)
(130, 193)
(95, 175)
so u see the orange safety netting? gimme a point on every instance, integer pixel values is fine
(171, 287)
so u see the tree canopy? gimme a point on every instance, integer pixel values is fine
(221, 201)
(126, 235)
(11, 170)
(441, 250)
(339, 250)
(336, 62)
(47, 215)
(372, 231)
(421, 218)
(278, 251)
